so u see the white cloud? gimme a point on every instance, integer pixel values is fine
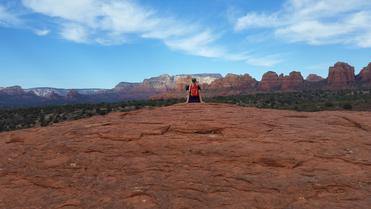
(197, 45)
(73, 10)
(253, 19)
(262, 60)
(109, 22)
(42, 32)
(113, 17)
(8, 18)
(75, 32)
(316, 22)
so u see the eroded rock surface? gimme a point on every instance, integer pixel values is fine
(365, 74)
(341, 75)
(314, 78)
(270, 82)
(293, 81)
(191, 156)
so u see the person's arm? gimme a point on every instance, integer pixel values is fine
(187, 101)
(187, 89)
(199, 94)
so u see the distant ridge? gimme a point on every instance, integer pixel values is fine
(340, 76)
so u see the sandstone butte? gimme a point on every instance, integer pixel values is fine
(191, 156)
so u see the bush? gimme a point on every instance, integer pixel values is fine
(347, 106)
(329, 104)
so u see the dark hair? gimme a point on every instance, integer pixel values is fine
(194, 80)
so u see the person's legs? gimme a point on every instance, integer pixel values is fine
(194, 99)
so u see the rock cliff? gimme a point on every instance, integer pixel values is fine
(269, 82)
(293, 82)
(365, 75)
(341, 75)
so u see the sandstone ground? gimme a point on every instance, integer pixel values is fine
(191, 156)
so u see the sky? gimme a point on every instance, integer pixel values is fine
(99, 43)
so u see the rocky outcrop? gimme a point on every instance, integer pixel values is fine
(233, 81)
(167, 82)
(204, 78)
(314, 78)
(365, 75)
(341, 75)
(269, 82)
(182, 81)
(161, 82)
(293, 82)
(191, 156)
(231, 84)
(272, 82)
(122, 86)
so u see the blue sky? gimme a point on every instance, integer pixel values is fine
(99, 43)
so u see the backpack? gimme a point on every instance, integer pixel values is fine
(194, 90)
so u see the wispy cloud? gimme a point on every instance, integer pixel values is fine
(198, 44)
(74, 32)
(252, 20)
(8, 18)
(106, 21)
(316, 22)
(113, 22)
(41, 32)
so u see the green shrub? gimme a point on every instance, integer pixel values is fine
(347, 106)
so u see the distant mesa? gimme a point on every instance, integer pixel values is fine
(13, 90)
(340, 76)
(125, 85)
(314, 78)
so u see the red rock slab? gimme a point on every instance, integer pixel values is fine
(191, 156)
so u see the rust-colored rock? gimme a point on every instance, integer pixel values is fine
(181, 82)
(233, 81)
(231, 84)
(341, 75)
(191, 156)
(314, 78)
(294, 81)
(269, 82)
(365, 74)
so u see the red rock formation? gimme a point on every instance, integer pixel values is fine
(270, 82)
(294, 81)
(341, 75)
(365, 74)
(181, 82)
(314, 78)
(191, 156)
(241, 82)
